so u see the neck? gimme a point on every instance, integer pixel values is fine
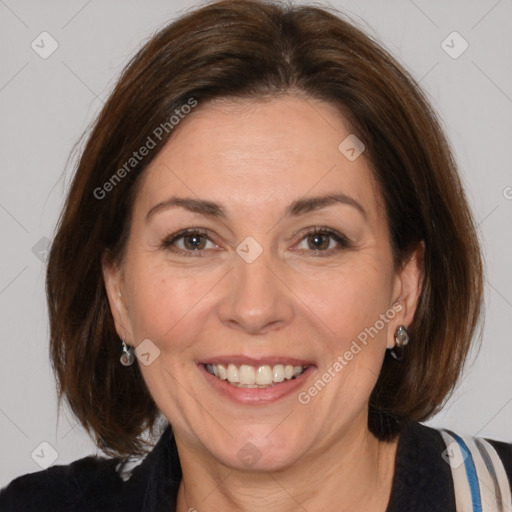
(336, 478)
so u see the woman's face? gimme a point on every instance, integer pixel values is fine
(257, 296)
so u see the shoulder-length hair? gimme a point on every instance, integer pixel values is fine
(256, 49)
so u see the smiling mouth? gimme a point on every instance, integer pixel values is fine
(247, 376)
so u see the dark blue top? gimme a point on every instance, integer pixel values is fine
(422, 481)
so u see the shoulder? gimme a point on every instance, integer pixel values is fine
(86, 484)
(480, 450)
(500, 451)
(432, 473)
(101, 484)
(480, 467)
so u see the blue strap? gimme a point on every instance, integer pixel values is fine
(469, 464)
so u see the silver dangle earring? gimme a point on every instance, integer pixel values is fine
(401, 339)
(127, 357)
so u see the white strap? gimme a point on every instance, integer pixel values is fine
(475, 460)
(489, 486)
(455, 457)
(503, 492)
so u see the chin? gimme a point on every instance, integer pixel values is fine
(261, 451)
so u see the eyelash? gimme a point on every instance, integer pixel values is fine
(337, 237)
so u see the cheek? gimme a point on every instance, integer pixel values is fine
(356, 308)
(168, 306)
(349, 300)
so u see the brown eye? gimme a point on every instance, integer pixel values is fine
(323, 240)
(194, 242)
(188, 242)
(319, 241)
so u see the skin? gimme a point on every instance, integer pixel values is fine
(255, 158)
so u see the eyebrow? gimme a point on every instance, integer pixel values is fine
(295, 209)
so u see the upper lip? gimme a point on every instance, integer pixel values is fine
(260, 361)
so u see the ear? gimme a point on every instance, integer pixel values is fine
(407, 289)
(113, 277)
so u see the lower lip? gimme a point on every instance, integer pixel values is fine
(256, 395)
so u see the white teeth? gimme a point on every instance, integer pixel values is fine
(223, 374)
(233, 373)
(247, 374)
(253, 377)
(278, 373)
(264, 375)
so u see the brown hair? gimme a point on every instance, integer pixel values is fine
(255, 49)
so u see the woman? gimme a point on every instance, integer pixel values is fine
(254, 247)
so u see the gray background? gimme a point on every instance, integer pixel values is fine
(46, 104)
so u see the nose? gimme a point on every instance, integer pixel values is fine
(256, 299)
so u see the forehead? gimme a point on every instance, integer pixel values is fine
(261, 153)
